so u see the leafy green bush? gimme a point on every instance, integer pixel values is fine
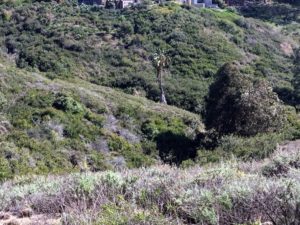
(132, 152)
(154, 126)
(5, 171)
(39, 99)
(94, 118)
(68, 104)
(256, 147)
(3, 101)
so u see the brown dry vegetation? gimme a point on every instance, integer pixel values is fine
(225, 193)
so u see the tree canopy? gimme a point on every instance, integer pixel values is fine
(240, 104)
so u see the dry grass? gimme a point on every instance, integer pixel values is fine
(227, 193)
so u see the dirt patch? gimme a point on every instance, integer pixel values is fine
(36, 219)
(290, 146)
(287, 48)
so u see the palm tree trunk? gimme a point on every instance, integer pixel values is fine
(162, 92)
(162, 96)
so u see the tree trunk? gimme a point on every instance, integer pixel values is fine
(162, 92)
(162, 96)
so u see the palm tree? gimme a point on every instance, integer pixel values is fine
(160, 62)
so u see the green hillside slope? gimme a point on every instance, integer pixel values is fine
(83, 139)
(113, 48)
(74, 83)
(58, 126)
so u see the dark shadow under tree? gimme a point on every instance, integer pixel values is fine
(175, 148)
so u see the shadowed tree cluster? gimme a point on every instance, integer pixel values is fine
(242, 105)
(296, 81)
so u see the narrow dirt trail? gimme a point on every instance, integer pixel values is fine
(290, 146)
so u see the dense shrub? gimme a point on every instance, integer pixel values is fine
(5, 171)
(277, 13)
(68, 104)
(256, 147)
(282, 162)
(238, 104)
(212, 148)
(132, 152)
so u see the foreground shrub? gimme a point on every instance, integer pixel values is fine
(281, 163)
(221, 194)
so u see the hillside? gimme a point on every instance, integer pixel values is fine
(113, 48)
(69, 75)
(58, 127)
(85, 141)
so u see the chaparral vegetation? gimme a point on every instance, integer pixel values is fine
(158, 112)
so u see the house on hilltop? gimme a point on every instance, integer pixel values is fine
(127, 3)
(201, 3)
(91, 2)
(120, 4)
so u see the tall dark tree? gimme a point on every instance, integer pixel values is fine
(161, 61)
(296, 84)
(239, 104)
(296, 81)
